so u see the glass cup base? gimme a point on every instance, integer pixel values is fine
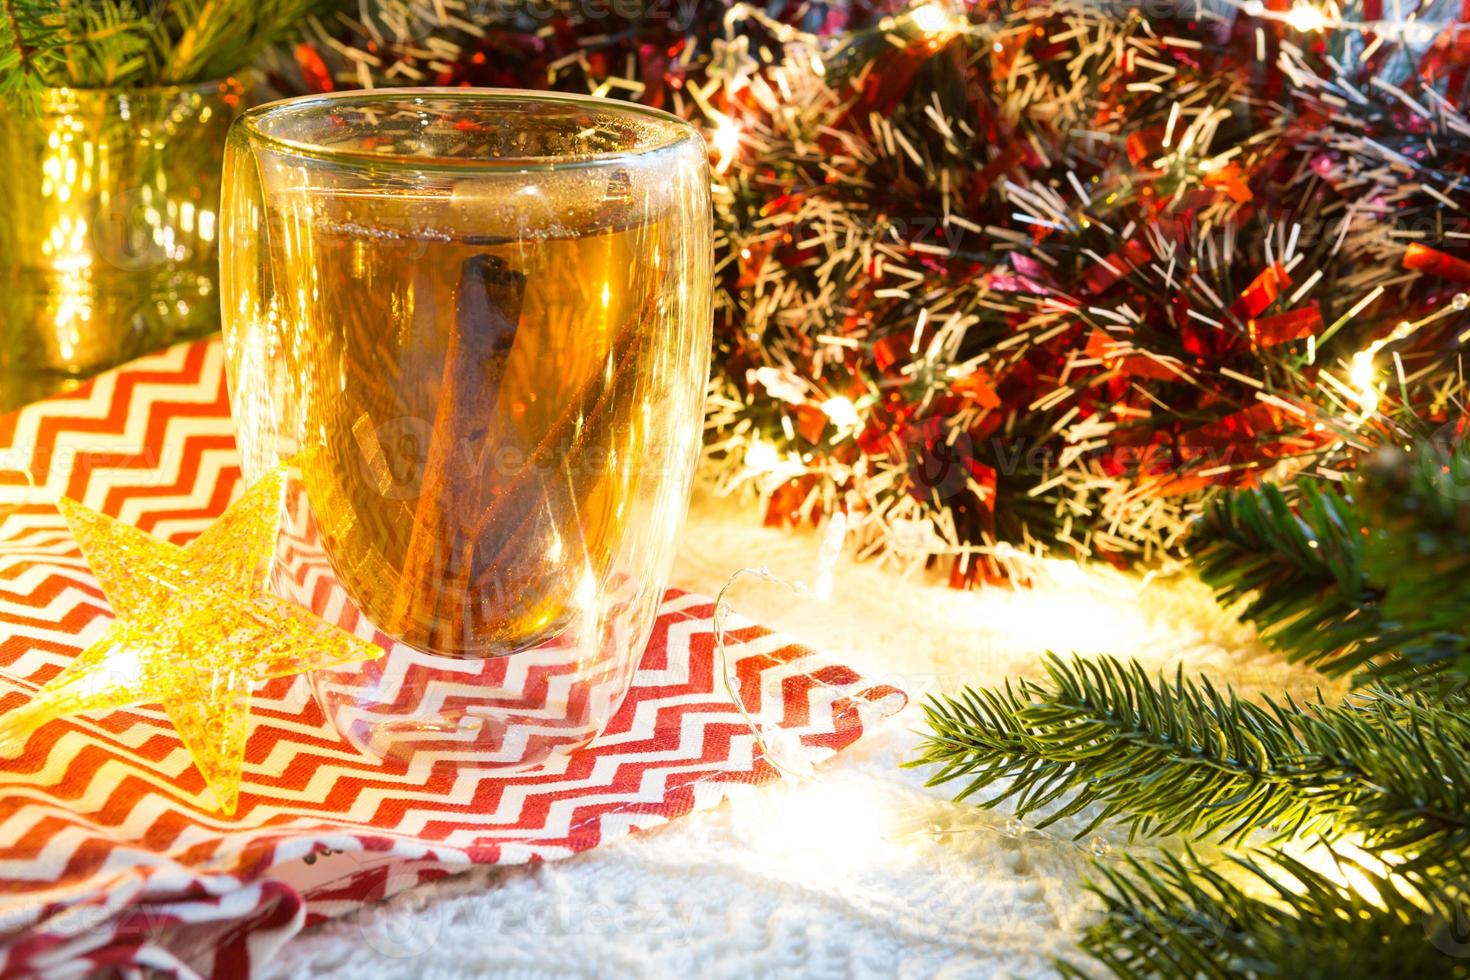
(511, 710)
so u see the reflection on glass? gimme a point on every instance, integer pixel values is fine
(107, 250)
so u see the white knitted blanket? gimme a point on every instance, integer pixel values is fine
(860, 871)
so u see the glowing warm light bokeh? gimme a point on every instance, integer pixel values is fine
(1306, 18)
(933, 18)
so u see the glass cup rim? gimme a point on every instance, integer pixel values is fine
(683, 132)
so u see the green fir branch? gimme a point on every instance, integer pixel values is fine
(1271, 915)
(1417, 508)
(108, 42)
(1182, 757)
(216, 38)
(1372, 580)
(15, 40)
(118, 43)
(31, 45)
(1298, 568)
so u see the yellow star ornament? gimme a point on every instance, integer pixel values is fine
(195, 630)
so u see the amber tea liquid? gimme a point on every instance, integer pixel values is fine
(475, 408)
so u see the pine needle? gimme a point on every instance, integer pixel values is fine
(116, 43)
(1372, 579)
(1271, 915)
(1105, 742)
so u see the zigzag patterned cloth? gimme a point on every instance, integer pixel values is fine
(111, 857)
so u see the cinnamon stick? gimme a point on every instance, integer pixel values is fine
(431, 600)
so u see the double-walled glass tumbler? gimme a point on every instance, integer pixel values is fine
(475, 327)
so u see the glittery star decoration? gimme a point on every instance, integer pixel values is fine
(195, 630)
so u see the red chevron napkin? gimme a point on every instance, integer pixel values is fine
(111, 857)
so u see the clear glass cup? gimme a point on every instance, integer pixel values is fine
(475, 325)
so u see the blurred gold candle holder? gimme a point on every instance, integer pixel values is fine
(109, 203)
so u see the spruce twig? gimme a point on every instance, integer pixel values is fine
(1271, 915)
(118, 43)
(22, 48)
(1372, 580)
(1183, 757)
(29, 42)
(184, 50)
